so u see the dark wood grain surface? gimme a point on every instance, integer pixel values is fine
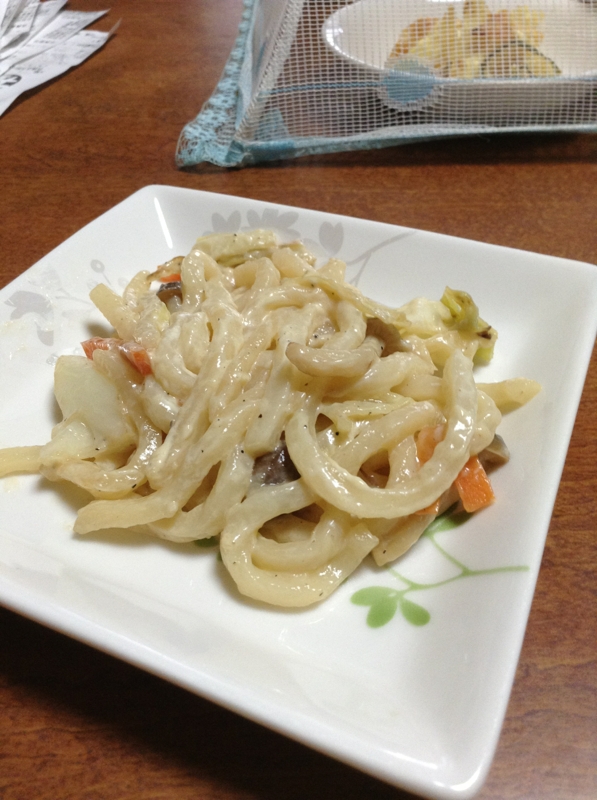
(76, 723)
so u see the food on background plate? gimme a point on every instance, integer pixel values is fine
(476, 44)
(247, 394)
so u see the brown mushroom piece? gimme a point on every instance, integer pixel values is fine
(495, 454)
(388, 335)
(274, 467)
(169, 290)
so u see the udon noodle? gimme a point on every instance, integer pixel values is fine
(248, 395)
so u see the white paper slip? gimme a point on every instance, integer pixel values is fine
(11, 10)
(62, 28)
(49, 64)
(21, 25)
(3, 9)
(45, 13)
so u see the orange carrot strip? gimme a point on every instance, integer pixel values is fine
(170, 278)
(427, 439)
(473, 486)
(99, 343)
(138, 356)
(133, 352)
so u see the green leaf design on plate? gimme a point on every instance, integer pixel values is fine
(372, 595)
(446, 521)
(383, 601)
(414, 613)
(382, 612)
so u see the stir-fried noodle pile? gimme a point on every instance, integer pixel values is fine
(248, 395)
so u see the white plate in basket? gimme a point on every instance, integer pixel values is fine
(417, 705)
(364, 33)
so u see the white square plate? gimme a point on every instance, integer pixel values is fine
(417, 705)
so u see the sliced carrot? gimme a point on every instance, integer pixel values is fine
(133, 352)
(99, 343)
(138, 356)
(170, 278)
(427, 439)
(474, 486)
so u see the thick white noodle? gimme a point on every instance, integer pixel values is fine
(351, 494)
(293, 585)
(281, 414)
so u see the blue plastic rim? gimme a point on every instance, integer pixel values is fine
(408, 82)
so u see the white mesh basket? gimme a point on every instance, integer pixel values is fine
(309, 76)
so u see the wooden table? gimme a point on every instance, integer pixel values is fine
(75, 723)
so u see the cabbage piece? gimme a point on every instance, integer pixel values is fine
(424, 318)
(466, 320)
